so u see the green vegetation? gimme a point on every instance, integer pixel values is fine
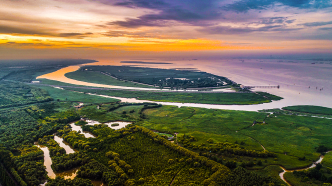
(205, 98)
(62, 95)
(28, 70)
(327, 161)
(212, 147)
(318, 175)
(17, 94)
(26, 124)
(296, 136)
(174, 79)
(97, 77)
(310, 109)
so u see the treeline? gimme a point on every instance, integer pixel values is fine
(59, 181)
(26, 125)
(29, 165)
(97, 171)
(5, 178)
(223, 147)
(316, 173)
(218, 169)
(241, 176)
(13, 94)
(69, 161)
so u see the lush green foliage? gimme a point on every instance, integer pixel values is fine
(17, 94)
(68, 161)
(30, 164)
(5, 178)
(75, 182)
(313, 176)
(188, 97)
(62, 95)
(281, 134)
(310, 109)
(327, 161)
(25, 125)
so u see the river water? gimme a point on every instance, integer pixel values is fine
(79, 129)
(121, 124)
(294, 77)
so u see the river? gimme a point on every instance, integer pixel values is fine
(294, 77)
(80, 130)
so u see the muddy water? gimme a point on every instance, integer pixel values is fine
(64, 145)
(47, 161)
(79, 129)
(122, 124)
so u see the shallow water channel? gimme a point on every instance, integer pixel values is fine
(300, 169)
(121, 124)
(71, 174)
(79, 129)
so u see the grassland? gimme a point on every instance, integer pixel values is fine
(97, 77)
(178, 97)
(63, 95)
(310, 109)
(283, 134)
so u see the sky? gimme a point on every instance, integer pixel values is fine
(137, 28)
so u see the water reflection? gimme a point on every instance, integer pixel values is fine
(70, 174)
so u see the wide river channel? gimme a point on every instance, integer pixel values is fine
(301, 82)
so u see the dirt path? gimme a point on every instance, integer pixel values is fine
(174, 177)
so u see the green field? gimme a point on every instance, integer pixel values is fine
(97, 77)
(63, 95)
(17, 94)
(205, 98)
(296, 136)
(310, 109)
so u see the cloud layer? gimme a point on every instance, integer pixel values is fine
(133, 23)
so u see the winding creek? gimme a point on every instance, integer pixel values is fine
(300, 169)
(71, 174)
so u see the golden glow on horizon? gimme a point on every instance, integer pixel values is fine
(127, 44)
(93, 28)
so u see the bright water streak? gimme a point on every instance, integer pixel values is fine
(295, 77)
(68, 149)
(47, 161)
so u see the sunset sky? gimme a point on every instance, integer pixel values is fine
(105, 28)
